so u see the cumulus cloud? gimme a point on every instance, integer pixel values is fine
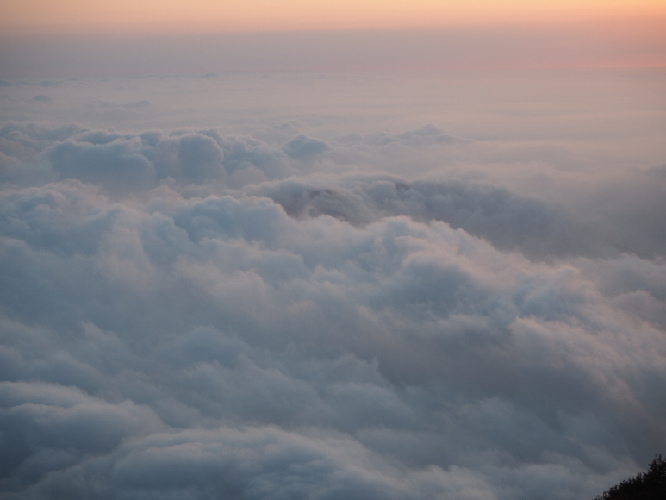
(302, 147)
(118, 166)
(607, 221)
(198, 312)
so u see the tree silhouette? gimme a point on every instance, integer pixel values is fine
(650, 485)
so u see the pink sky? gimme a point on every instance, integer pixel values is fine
(214, 16)
(71, 37)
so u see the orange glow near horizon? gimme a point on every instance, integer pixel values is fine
(214, 16)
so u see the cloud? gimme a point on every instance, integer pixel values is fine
(193, 158)
(191, 313)
(302, 146)
(122, 164)
(119, 167)
(418, 137)
(605, 221)
(536, 227)
(41, 98)
(256, 463)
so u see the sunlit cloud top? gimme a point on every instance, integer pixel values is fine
(212, 16)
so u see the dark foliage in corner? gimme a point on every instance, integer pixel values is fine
(650, 485)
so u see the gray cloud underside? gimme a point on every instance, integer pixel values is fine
(194, 315)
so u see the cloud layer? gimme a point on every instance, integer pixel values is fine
(189, 313)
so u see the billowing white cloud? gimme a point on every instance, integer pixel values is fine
(271, 313)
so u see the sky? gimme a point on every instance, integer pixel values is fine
(195, 16)
(274, 253)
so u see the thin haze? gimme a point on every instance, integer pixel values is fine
(359, 264)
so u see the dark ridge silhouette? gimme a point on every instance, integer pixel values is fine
(650, 485)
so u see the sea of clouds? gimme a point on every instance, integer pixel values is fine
(216, 288)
